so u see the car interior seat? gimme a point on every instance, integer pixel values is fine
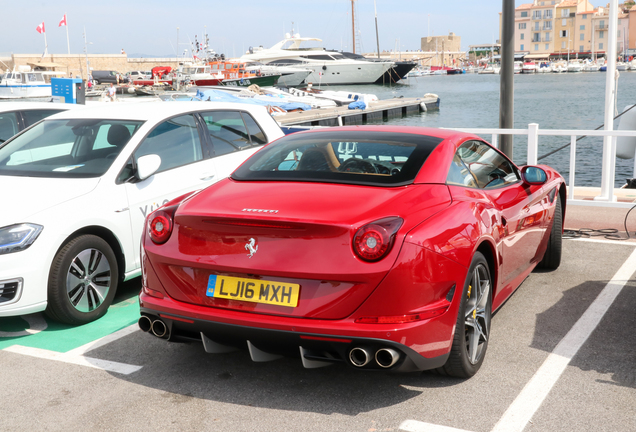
(317, 159)
(118, 136)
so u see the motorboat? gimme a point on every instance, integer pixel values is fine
(622, 66)
(544, 67)
(518, 67)
(24, 82)
(289, 75)
(574, 66)
(529, 67)
(590, 67)
(341, 98)
(328, 67)
(236, 73)
(447, 70)
(199, 74)
(559, 68)
(398, 71)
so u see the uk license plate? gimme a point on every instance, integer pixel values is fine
(253, 290)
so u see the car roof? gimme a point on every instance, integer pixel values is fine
(22, 106)
(150, 110)
(416, 130)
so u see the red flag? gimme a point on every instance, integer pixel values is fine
(40, 28)
(63, 22)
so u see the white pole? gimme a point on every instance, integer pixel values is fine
(46, 46)
(68, 43)
(610, 96)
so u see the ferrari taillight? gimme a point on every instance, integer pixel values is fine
(160, 224)
(373, 241)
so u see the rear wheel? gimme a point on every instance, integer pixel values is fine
(552, 258)
(82, 281)
(472, 331)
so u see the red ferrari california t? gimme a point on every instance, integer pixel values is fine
(375, 246)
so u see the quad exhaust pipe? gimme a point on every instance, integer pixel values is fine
(156, 326)
(384, 357)
(145, 324)
(360, 357)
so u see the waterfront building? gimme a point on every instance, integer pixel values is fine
(447, 49)
(555, 28)
(583, 34)
(522, 27)
(564, 26)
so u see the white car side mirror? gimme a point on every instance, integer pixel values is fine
(147, 165)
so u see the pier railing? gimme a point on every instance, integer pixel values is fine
(607, 195)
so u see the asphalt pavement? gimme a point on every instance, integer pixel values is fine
(561, 358)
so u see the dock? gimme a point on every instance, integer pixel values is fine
(376, 111)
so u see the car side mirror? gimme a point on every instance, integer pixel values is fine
(147, 165)
(533, 175)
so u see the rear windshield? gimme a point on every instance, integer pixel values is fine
(356, 157)
(66, 148)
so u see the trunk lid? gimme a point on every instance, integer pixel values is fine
(287, 232)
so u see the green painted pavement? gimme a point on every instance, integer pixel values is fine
(61, 337)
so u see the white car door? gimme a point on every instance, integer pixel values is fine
(235, 135)
(184, 168)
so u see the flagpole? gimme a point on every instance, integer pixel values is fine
(46, 46)
(68, 44)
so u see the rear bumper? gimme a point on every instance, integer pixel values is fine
(315, 348)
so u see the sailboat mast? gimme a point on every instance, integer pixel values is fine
(353, 27)
(377, 38)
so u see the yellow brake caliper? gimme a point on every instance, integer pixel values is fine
(470, 289)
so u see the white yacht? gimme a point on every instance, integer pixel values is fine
(23, 83)
(328, 67)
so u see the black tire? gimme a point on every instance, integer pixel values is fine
(472, 330)
(552, 258)
(77, 296)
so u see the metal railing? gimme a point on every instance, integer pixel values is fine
(607, 196)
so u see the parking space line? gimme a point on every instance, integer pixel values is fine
(612, 242)
(519, 413)
(103, 341)
(537, 389)
(76, 356)
(81, 360)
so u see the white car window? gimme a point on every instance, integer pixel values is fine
(8, 125)
(176, 141)
(66, 148)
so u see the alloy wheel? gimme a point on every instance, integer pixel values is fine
(477, 314)
(88, 280)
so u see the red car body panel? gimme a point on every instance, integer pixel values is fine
(305, 232)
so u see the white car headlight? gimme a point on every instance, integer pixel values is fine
(14, 238)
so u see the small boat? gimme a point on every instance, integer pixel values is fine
(24, 83)
(237, 74)
(488, 70)
(341, 98)
(529, 67)
(559, 68)
(518, 67)
(590, 67)
(621, 66)
(199, 74)
(544, 67)
(575, 67)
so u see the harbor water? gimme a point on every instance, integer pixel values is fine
(554, 101)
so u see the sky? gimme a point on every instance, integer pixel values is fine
(154, 27)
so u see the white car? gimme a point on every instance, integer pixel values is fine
(77, 187)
